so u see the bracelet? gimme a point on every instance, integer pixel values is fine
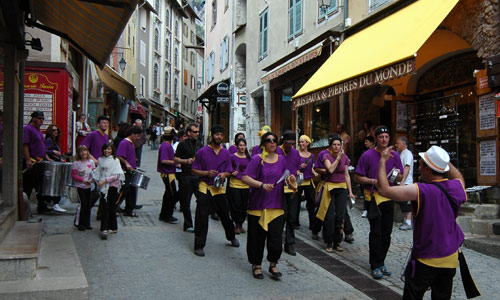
(262, 185)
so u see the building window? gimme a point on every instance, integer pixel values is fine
(375, 4)
(185, 30)
(210, 67)
(157, 5)
(320, 123)
(157, 39)
(295, 18)
(184, 54)
(263, 33)
(142, 53)
(185, 103)
(193, 39)
(167, 81)
(133, 48)
(192, 82)
(142, 85)
(224, 54)
(128, 35)
(167, 18)
(167, 49)
(176, 90)
(214, 13)
(176, 29)
(155, 77)
(176, 58)
(332, 8)
(192, 58)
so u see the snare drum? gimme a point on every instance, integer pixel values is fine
(139, 180)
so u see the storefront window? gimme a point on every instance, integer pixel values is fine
(320, 124)
(300, 121)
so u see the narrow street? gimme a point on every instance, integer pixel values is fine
(149, 259)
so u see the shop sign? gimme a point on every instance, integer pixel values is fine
(488, 158)
(378, 76)
(222, 99)
(292, 65)
(487, 117)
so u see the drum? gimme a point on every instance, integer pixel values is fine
(55, 178)
(139, 180)
(218, 182)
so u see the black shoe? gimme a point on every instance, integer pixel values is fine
(235, 243)
(89, 228)
(257, 275)
(348, 238)
(199, 252)
(103, 235)
(138, 207)
(170, 220)
(274, 275)
(44, 211)
(81, 228)
(290, 250)
(120, 210)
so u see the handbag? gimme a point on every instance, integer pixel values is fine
(470, 287)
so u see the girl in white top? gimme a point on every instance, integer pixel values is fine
(81, 173)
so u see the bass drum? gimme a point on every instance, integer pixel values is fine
(54, 178)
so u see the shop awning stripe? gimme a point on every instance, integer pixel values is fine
(93, 27)
(393, 39)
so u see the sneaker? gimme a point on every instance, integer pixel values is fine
(364, 214)
(405, 226)
(329, 248)
(104, 235)
(190, 229)
(199, 252)
(112, 231)
(377, 274)
(235, 243)
(338, 248)
(384, 271)
(58, 208)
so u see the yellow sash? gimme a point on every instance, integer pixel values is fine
(171, 177)
(236, 183)
(266, 215)
(326, 198)
(213, 190)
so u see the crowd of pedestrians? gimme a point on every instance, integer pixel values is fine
(265, 189)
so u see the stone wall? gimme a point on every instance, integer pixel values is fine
(477, 22)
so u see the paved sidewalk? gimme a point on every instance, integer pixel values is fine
(149, 259)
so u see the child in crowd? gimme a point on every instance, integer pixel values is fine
(81, 174)
(108, 176)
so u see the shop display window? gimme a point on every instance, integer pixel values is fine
(320, 124)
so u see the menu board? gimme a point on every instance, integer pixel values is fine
(487, 115)
(488, 158)
(402, 116)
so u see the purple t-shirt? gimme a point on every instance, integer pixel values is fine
(369, 162)
(34, 138)
(94, 141)
(232, 149)
(436, 233)
(292, 159)
(206, 159)
(256, 150)
(307, 171)
(338, 174)
(166, 152)
(259, 199)
(239, 164)
(126, 150)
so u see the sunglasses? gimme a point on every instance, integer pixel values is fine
(270, 141)
(40, 118)
(193, 131)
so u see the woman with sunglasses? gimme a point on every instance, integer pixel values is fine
(265, 206)
(337, 188)
(52, 136)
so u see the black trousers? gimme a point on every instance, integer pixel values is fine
(310, 202)
(205, 205)
(257, 237)
(380, 234)
(290, 217)
(188, 184)
(32, 179)
(348, 228)
(238, 204)
(108, 207)
(334, 219)
(440, 280)
(405, 207)
(82, 217)
(168, 203)
(129, 193)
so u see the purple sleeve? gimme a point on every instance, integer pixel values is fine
(253, 167)
(170, 153)
(87, 140)
(347, 160)
(228, 165)
(234, 162)
(198, 161)
(361, 167)
(164, 152)
(26, 135)
(121, 151)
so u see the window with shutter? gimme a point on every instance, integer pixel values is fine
(263, 33)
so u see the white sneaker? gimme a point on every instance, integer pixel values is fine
(364, 214)
(58, 208)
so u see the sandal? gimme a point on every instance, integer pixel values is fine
(132, 214)
(255, 274)
(274, 274)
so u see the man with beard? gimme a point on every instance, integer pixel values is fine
(98, 138)
(212, 162)
(292, 157)
(381, 211)
(188, 182)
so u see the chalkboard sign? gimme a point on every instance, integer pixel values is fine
(402, 116)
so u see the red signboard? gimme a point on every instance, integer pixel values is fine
(49, 90)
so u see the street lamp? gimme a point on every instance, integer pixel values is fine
(122, 63)
(324, 4)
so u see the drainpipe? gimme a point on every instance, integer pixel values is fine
(344, 96)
